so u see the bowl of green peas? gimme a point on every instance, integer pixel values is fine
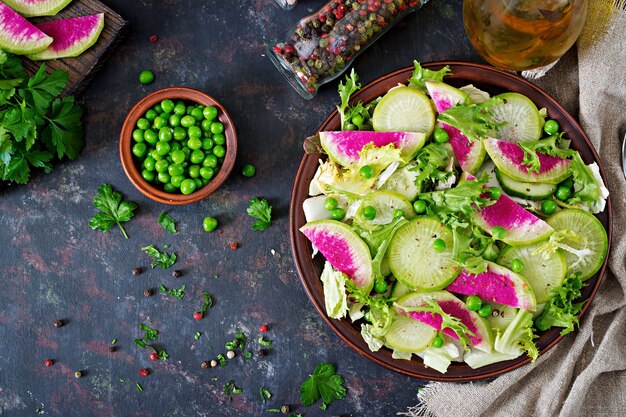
(178, 145)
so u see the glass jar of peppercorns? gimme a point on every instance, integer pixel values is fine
(322, 45)
(287, 4)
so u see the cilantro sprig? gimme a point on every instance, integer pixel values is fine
(35, 124)
(262, 210)
(162, 259)
(323, 383)
(113, 209)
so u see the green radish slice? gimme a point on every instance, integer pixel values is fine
(402, 181)
(409, 335)
(526, 190)
(32, 8)
(399, 290)
(542, 274)
(501, 316)
(522, 118)
(591, 240)
(414, 261)
(385, 202)
(404, 109)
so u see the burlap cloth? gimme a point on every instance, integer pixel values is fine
(585, 374)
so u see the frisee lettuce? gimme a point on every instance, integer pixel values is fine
(559, 241)
(334, 283)
(422, 74)
(431, 162)
(560, 309)
(475, 121)
(518, 337)
(379, 311)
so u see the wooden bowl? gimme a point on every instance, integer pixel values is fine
(129, 161)
(493, 81)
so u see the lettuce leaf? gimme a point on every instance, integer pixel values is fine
(563, 240)
(373, 342)
(334, 283)
(518, 337)
(475, 121)
(466, 198)
(560, 309)
(431, 163)
(379, 311)
(440, 358)
(422, 74)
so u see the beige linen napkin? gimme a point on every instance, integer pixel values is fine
(585, 374)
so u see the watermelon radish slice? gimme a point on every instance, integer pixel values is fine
(509, 158)
(522, 227)
(344, 249)
(344, 147)
(32, 8)
(470, 155)
(497, 284)
(19, 36)
(71, 36)
(482, 338)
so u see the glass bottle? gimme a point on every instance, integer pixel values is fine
(523, 34)
(322, 45)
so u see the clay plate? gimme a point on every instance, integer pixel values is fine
(493, 81)
(129, 162)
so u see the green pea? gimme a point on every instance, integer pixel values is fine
(551, 127)
(176, 170)
(140, 149)
(189, 109)
(351, 126)
(381, 285)
(338, 214)
(219, 151)
(439, 245)
(196, 157)
(209, 112)
(155, 155)
(194, 132)
(248, 170)
(138, 135)
(568, 183)
(178, 157)
(194, 143)
(207, 144)
(495, 192)
(194, 171)
(187, 121)
(210, 161)
(440, 135)
(147, 175)
(198, 182)
(151, 136)
(167, 105)
(485, 310)
(548, 207)
(562, 193)
(204, 181)
(175, 146)
(188, 186)
(165, 134)
(159, 122)
(437, 342)
(420, 206)
(162, 165)
(186, 151)
(143, 123)
(163, 177)
(517, 265)
(473, 303)
(366, 172)
(207, 173)
(162, 148)
(146, 77)
(219, 139)
(179, 133)
(151, 114)
(174, 120)
(209, 224)
(157, 108)
(369, 212)
(149, 163)
(330, 204)
(179, 109)
(176, 180)
(397, 213)
(217, 128)
(205, 125)
(197, 114)
(498, 232)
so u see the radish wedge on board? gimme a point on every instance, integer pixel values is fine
(18, 35)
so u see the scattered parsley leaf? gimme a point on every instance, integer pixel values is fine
(265, 394)
(167, 222)
(208, 302)
(230, 388)
(273, 410)
(261, 210)
(264, 342)
(248, 355)
(178, 293)
(139, 387)
(197, 335)
(323, 383)
(163, 355)
(113, 210)
(222, 360)
(114, 341)
(239, 342)
(163, 259)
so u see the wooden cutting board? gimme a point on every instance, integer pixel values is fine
(81, 69)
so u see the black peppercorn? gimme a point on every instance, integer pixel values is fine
(177, 273)
(113, 349)
(136, 271)
(262, 353)
(58, 323)
(148, 292)
(205, 365)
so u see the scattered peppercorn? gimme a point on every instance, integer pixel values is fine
(213, 363)
(49, 362)
(144, 372)
(230, 354)
(78, 374)
(205, 365)
(112, 349)
(58, 323)
(263, 328)
(197, 315)
(153, 38)
(148, 292)
(284, 409)
(154, 356)
(136, 271)
(262, 353)
(495, 313)
(177, 273)
(233, 246)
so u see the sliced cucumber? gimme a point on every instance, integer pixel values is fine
(384, 202)
(522, 118)
(415, 262)
(404, 109)
(501, 316)
(409, 335)
(542, 274)
(528, 190)
(590, 240)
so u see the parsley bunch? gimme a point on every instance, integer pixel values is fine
(35, 123)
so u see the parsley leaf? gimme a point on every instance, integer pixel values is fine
(208, 302)
(197, 335)
(113, 210)
(64, 132)
(230, 388)
(265, 394)
(162, 259)
(179, 293)
(264, 342)
(167, 222)
(323, 383)
(261, 210)
(239, 342)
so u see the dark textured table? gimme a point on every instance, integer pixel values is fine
(54, 267)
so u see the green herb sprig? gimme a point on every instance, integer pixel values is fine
(323, 383)
(262, 210)
(113, 210)
(167, 222)
(178, 293)
(162, 259)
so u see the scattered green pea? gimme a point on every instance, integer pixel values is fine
(517, 265)
(380, 286)
(484, 310)
(146, 77)
(495, 192)
(551, 127)
(369, 212)
(437, 341)
(330, 204)
(338, 214)
(419, 206)
(563, 193)
(209, 224)
(248, 170)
